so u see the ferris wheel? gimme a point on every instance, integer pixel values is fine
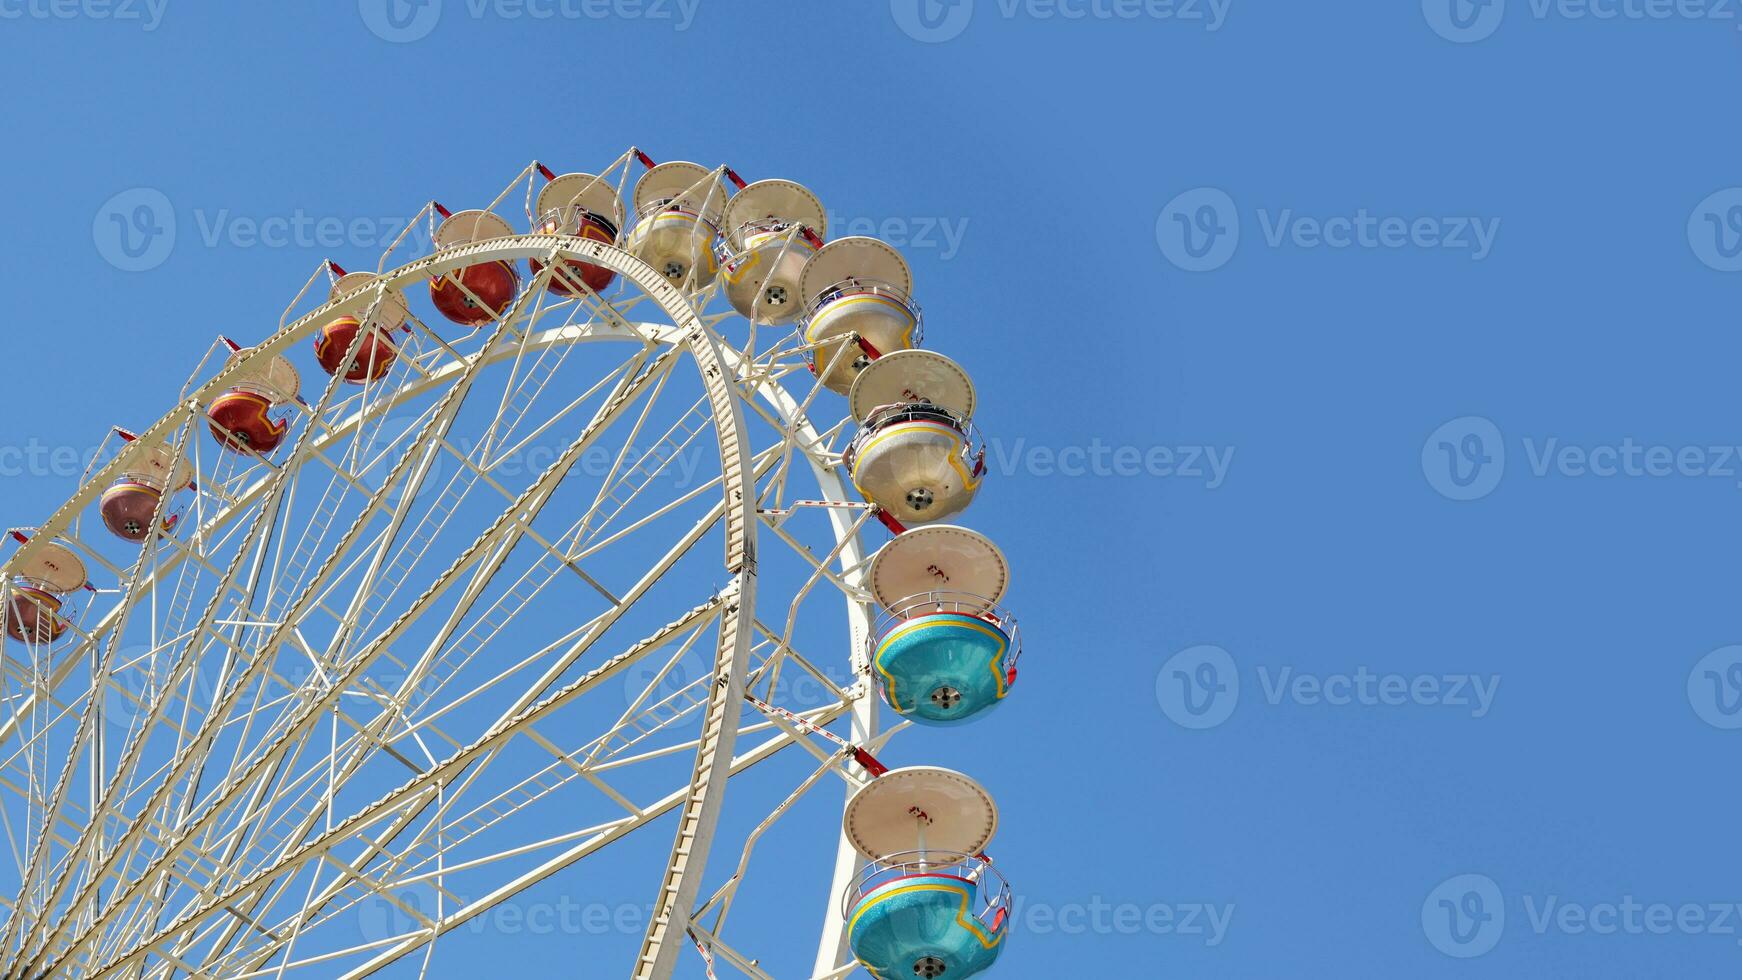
(488, 563)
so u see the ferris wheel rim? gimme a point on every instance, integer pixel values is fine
(688, 328)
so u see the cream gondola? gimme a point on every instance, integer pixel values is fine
(773, 227)
(856, 287)
(916, 454)
(679, 208)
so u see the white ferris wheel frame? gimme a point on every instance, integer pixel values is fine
(733, 380)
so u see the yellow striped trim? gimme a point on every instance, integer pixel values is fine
(901, 631)
(966, 921)
(969, 481)
(834, 307)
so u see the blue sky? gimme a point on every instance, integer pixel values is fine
(1362, 377)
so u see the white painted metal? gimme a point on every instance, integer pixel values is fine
(912, 376)
(857, 257)
(233, 847)
(939, 558)
(585, 191)
(920, 808)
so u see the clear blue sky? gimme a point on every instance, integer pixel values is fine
(1469, 238)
